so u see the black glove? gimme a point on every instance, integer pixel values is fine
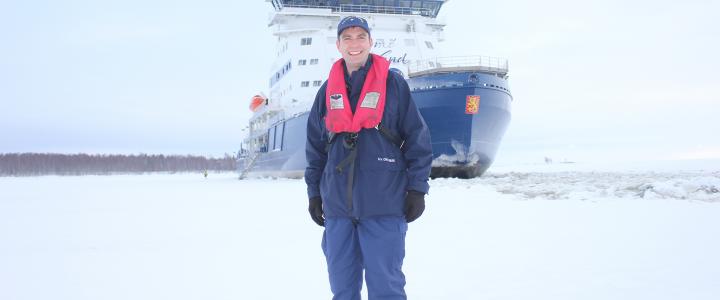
(316, 212)
(414, 205)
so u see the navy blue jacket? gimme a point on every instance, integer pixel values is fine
(383, 172)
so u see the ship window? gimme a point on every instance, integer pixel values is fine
(409, 42)
(302, 62)
(429, 45)
(305, 84)
(314, 61)
(317, 83)
(279, 136)
(271, 139)
(306, 41)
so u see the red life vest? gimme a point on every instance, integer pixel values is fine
(370, 106)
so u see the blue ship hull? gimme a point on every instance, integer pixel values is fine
(464, 144)
(464, 141)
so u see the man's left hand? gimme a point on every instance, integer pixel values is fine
(414, 205)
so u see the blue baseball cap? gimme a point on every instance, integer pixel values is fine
(352, 21)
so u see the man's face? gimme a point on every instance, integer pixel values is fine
(354, 45)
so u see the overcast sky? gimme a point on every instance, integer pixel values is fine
(591, 80)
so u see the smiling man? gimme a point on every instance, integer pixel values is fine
(369, 155)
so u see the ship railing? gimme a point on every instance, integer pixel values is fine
(359, 8)
(485, 64)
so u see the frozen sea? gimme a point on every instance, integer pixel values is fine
(562, 231)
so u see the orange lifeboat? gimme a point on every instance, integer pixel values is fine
(257, 101)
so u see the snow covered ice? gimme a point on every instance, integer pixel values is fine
(599, 185)
(562, 231)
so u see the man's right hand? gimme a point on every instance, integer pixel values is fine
(316, 212)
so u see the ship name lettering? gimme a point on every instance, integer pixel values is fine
(395, 59)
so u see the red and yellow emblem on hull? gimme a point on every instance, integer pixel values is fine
(472, 104)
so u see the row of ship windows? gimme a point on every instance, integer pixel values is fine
(456, 84)
(315, 83)
(379, 43)
(424, 7)
(288, 65)
(279, 74)
(307, 83)
(382, 43)
(313, 61)
(306, 41)
(286, 68)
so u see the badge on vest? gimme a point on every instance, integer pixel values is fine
(370, 100)
(336, 101)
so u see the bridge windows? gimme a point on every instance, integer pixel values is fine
(302, 62)
(427, 8)
(317, 83)
(305, 84)
(306, 41)
(313, 61)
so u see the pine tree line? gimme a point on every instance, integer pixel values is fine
(32, 164)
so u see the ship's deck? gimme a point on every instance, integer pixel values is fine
(485, 64)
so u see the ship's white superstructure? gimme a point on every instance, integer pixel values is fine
(306, 49)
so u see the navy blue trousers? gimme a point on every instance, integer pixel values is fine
(375, 245)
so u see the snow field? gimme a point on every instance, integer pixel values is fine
(510, 235)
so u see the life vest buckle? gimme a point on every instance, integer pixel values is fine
(350, 140)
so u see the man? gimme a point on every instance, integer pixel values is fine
(369, 156)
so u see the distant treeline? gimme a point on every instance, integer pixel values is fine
(31, 164)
